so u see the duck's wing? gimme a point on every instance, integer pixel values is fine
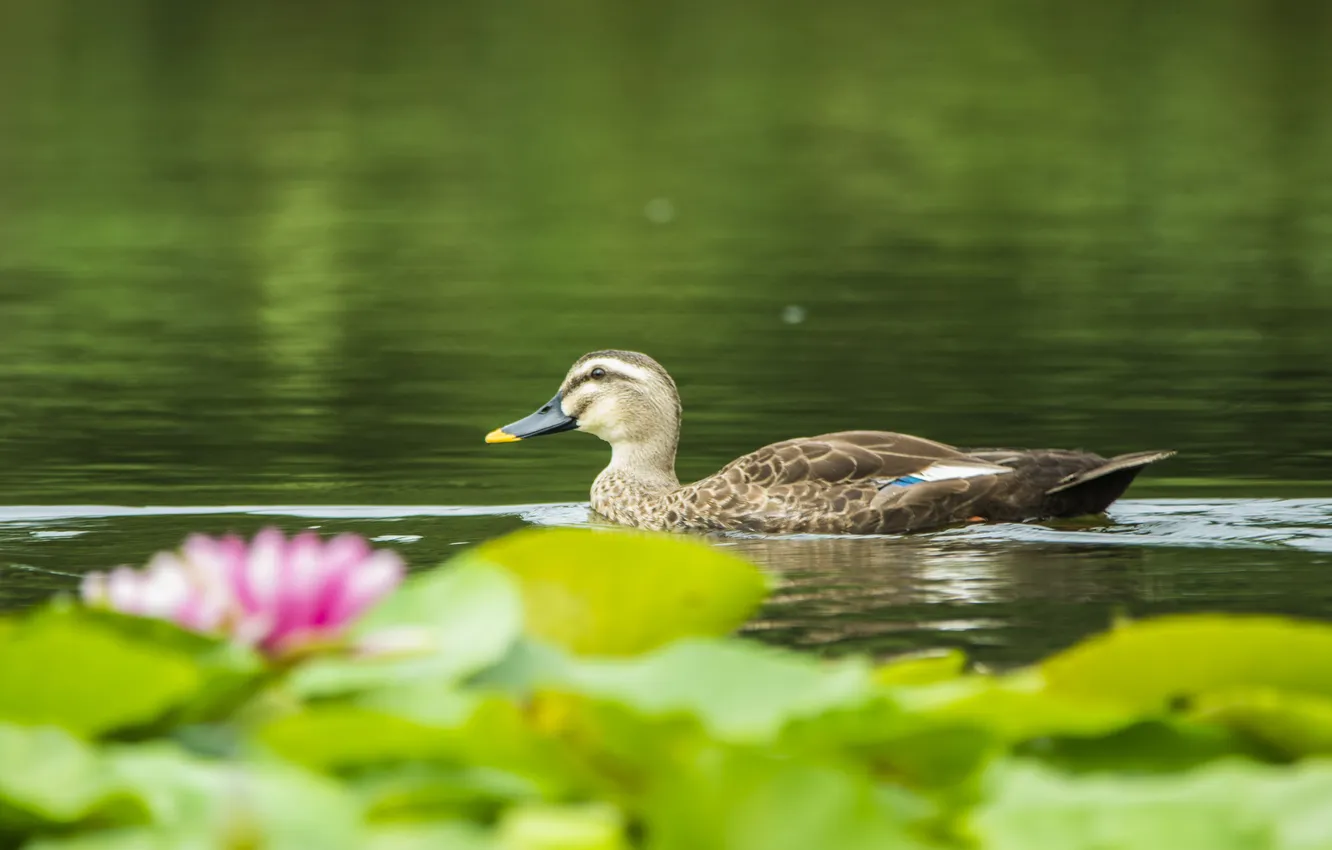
(929, 505)
(876, 458)
(850, 481)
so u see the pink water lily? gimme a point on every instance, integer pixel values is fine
(276, 593)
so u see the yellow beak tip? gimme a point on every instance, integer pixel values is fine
(499, 435)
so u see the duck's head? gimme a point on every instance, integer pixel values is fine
(623, 397)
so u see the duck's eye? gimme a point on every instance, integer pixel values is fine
(598, 372)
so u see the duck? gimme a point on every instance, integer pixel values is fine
(846, 482)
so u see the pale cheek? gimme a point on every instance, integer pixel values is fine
(595, 421)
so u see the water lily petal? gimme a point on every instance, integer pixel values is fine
(342, 554)
(274, 593)
(163, 587)
(369, 582)
(205, 610)
(261, 574)
(219, 564)
(301, 579)
(251, 629)
(124, 590)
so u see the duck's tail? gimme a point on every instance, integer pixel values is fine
(1091, 491)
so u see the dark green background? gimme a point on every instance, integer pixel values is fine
(309, 253)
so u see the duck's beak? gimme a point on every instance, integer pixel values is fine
(550, 419)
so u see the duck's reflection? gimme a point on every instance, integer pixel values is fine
(1002, 603)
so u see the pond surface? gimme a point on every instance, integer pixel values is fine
(1005, 593)
(252, 257)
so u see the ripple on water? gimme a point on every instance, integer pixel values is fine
(1211, 523)
(1004, 592)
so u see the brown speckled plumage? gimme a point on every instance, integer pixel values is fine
(838, 483)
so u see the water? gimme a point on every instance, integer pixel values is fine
(252, 256)
(1005, 593)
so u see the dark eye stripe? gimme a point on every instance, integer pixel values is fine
(587, 376)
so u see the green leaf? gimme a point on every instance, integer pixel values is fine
(741, 799)
(61, 669)
(329, 737)
(293, 809)
(160, 633)
(48, 776)
(502, 734)
(453, 621)
(536, 826)
(932, 758)
(136, 838)
(939, 735)
(622, 593)
(1292, 724)
(445, 835)
(526, 663)
(265, 803)
(922, 669)
(179, 789)
(1156, 746)
(1014, 707)
(1144, 665)
(424, 724)
(230, 672)
(1223, 806)
(738, 691)
(415, 791)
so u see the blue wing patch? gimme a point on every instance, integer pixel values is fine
(905, 481)
(947, 470)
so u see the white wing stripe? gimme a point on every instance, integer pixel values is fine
(944, 471)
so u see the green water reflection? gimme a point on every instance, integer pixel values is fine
(256, 253)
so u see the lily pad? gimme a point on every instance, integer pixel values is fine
(536, 826)
(1014, 707)
(61, 669)
(1145, 665)
(422, 725)
(621, 592)
(230, 672)
(738, 691)
(1292, 724)
(264, 803)
(430, 835)
(745, 799)
(926, 668)
(1223, 806)
(419, 791)
(133, 838)
(1169, 745)
(329, 737)
(48, 777)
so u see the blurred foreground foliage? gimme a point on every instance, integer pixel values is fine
(579, 690)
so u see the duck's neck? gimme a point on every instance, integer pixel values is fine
(641, 475)
(639, 479)
(646, 466)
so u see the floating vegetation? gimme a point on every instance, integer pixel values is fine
(579, 689)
